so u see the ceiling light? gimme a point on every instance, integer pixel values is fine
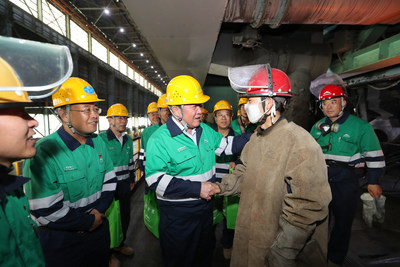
(155, 71)
(134, 45)
(147, 61)
(152, 67)
(141, 54)
(106, 11)
(121, 30)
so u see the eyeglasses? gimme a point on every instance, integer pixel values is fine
(88, 111)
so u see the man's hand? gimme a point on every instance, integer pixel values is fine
(208, 190)
(131, 186)
(232, 165)
(375, 190)
(98, 219)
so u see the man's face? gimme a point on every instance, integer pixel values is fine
(154, 118)
(164, 114)
(223, 118)
(118, 122)
(191, 114)
(203, 117)
(332, 107)
(85, 117)
(16, 131)
(243, 111)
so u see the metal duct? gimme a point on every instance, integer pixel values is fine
(276, 12)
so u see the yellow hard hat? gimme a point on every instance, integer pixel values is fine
(117, 110)
(162, 101)
(74, 91)
(152, 107)
(222, 105)
(9, 78)
(204, 111)
(185, 89)
(243, 100)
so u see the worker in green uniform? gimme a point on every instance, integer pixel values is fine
(350, 146)
(72, 182)
(204, 114)
(151, 209)
(180, 168)
(19, 242)
(242, 123)
(152, 112)
(227, 206)
(120, 149)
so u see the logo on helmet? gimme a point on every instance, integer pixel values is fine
(88, 89)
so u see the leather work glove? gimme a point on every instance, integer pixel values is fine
(287, 245)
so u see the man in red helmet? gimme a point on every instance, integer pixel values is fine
(282, 182)
(349, 144)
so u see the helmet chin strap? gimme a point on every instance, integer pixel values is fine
(184, 123)
(273, 113)
(68, 110)
(115, 127)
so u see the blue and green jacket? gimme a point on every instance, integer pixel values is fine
(68, 180)
(353, 146)
(176, 165)
(143, 143)
(122, 158)
(19, 244)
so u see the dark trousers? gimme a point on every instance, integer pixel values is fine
(227, 236)
(342, 210)
(123, 194)
(73, 249)
(187, 235)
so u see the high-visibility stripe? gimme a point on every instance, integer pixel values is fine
(45, 202)
(375, 164)
(45, 220)
(109, 175)
(222, 146)
(109, 187)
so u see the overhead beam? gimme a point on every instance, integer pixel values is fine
(379, 55)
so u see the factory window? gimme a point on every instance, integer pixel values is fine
(122, 67)
(54, 18)
(79, 36)
(131, 74)
(114, 61)
(99, 50)
(30, 6)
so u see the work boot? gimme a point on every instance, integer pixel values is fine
(369, 208)
(379, 215)
(227, 253)
(124, 250)
(114, 261)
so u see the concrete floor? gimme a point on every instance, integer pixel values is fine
(378, 246)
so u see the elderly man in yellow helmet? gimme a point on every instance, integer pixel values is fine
(120, 149)
(152, 112)
(151, 209)
(73, 182)
(180, 168)
(19, 244)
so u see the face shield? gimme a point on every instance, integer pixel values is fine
(323, 80)
(41, 68)
(239, 77)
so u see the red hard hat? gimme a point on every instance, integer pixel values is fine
(259, 84)
(331, 91)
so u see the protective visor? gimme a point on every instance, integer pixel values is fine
(40, 67)
(239, 77)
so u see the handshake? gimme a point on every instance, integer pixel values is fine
(209, 189)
